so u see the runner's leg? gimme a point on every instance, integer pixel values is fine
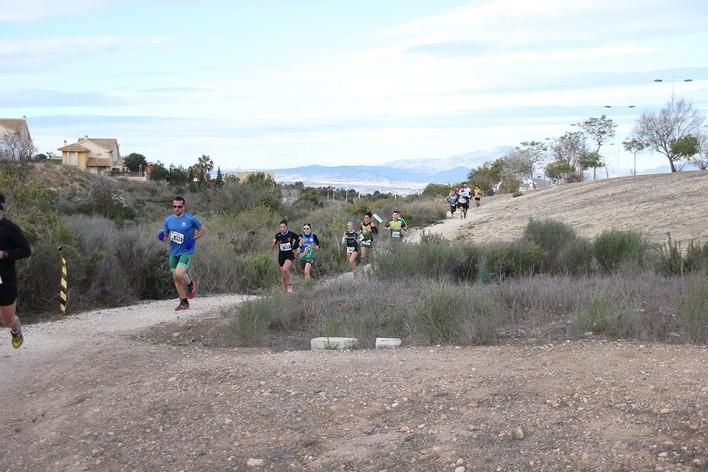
(9, 318)
(286, 273)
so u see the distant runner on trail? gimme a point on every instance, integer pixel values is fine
(367, 230)
(286, 241)
(452, 201)
(309, 245)
(397, 226)
(477, 195)
(13, 246)
(182, 230)
(351, 241)
(465, 195)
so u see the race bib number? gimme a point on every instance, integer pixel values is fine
(395, 234)
(350, 249)
(286, 247)
(177, 238)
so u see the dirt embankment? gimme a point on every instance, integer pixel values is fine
(653, 204)
(98, 392)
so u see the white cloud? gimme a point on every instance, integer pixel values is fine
(31, 10)
(33, 54)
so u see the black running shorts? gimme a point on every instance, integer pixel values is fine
(285, 256)
(8, 294)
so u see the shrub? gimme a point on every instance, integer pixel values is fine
(672, 261)
(693, 309)
(447, 314)
(617, 250)
(258, 271)
(255, 318)
(506, 260)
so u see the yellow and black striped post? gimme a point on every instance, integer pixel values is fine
(63, 298)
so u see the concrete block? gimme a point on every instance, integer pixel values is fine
(384, 343)
(331, 344)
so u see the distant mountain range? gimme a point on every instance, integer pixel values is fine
(401, 176)
(412, 175)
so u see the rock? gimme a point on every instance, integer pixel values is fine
(332, 343)
(517, 433)
(460, 461)
(664, 411)
(386, 343)
(254, 462)
(460, 469)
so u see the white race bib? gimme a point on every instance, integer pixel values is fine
(177, 238)
(395, 234)
(350, 249)
(286, 247)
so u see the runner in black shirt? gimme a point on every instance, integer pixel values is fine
(13, 246)
(351, 241)
(286, 241)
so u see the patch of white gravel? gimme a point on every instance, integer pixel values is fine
(52, 336)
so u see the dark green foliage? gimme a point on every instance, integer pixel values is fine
(617, 250)
(506, 260)
(563, 251)
(135, 162)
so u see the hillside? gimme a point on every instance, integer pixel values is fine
(653, 204)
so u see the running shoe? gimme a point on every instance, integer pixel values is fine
(193, 292)
(183, 305)
(17, 338)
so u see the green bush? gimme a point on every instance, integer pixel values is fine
(504, 260)
(671, 259)
(258, 270)
(254, 319)
(449, 315)
(563, 251)
(693, 309)
(617, 250)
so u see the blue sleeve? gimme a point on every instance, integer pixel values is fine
(195, 222)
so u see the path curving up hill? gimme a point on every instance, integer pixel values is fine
(91, 393)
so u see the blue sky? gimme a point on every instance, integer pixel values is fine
(280, 83)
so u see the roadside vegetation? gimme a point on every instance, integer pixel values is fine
(550, 285)
(107, 231)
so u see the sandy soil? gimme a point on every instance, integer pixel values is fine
(111, 399)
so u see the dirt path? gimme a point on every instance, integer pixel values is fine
(131, 389)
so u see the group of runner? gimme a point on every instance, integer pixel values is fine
(358, 243)
(459, 199)
(181, 230)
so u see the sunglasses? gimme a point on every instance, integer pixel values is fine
(177, 206)
(305, 228)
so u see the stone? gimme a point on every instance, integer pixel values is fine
(333, 344)
(460, 469)
(517, 433)
(386, 343)
(254, 462)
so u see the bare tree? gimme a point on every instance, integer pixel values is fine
(659, 131)
(519, 163)
(16, 147)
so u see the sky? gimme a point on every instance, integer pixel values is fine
(284, 83)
